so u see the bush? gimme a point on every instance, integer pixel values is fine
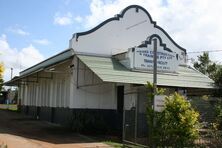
(176, 125)
(218, 112)
(180, 121)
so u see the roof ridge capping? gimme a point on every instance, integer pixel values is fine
(121, 15)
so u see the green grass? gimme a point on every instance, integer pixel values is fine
(114, 144)
(12, 107)
(120, 145)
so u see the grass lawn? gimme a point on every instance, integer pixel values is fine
(114, 144)
(12, 107)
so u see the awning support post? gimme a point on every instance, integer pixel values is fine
(77, 75)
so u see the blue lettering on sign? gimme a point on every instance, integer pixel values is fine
(148, 61)
(160, 55)
(159, 62)
(164, 59)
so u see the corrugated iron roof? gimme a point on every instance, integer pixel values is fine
(58, 58)
(52, 60)
(110, 70)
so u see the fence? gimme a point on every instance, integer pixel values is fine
(135, 128)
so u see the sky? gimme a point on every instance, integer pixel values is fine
(31, 31)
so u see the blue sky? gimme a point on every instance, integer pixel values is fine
(36, 18)
(31, 31)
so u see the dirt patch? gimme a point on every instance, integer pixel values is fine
(17, 130)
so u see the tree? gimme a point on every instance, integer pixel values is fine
(214, 71)
(211, 69)
(1, 75)
(206, 66)
(218, 76)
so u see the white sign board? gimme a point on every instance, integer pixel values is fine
(166, 61)
(159, 101)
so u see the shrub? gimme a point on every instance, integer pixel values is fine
(218, 112)
(180, 121)
(176, 125)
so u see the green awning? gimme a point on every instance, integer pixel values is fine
(110, 70)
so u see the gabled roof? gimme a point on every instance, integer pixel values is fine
(52, 60)
(60, 57)
(108, 69)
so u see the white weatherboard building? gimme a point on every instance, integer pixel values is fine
(102, 75)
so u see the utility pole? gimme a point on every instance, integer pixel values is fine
(154, 81)
(11, 72)
(154, 65)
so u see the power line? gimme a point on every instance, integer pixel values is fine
(204, 51)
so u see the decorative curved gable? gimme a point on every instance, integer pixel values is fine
(149, 40)
(127, 29)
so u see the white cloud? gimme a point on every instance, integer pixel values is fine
(193, 24)
(63, 20)
(17, 59)
(102, 10)
(66, 19)
(19, 31)
(42, 41)
(78, 19)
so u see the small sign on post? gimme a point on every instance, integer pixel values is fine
(159, 101)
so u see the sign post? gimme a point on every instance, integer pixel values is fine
(154, 79)
(154, 65)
